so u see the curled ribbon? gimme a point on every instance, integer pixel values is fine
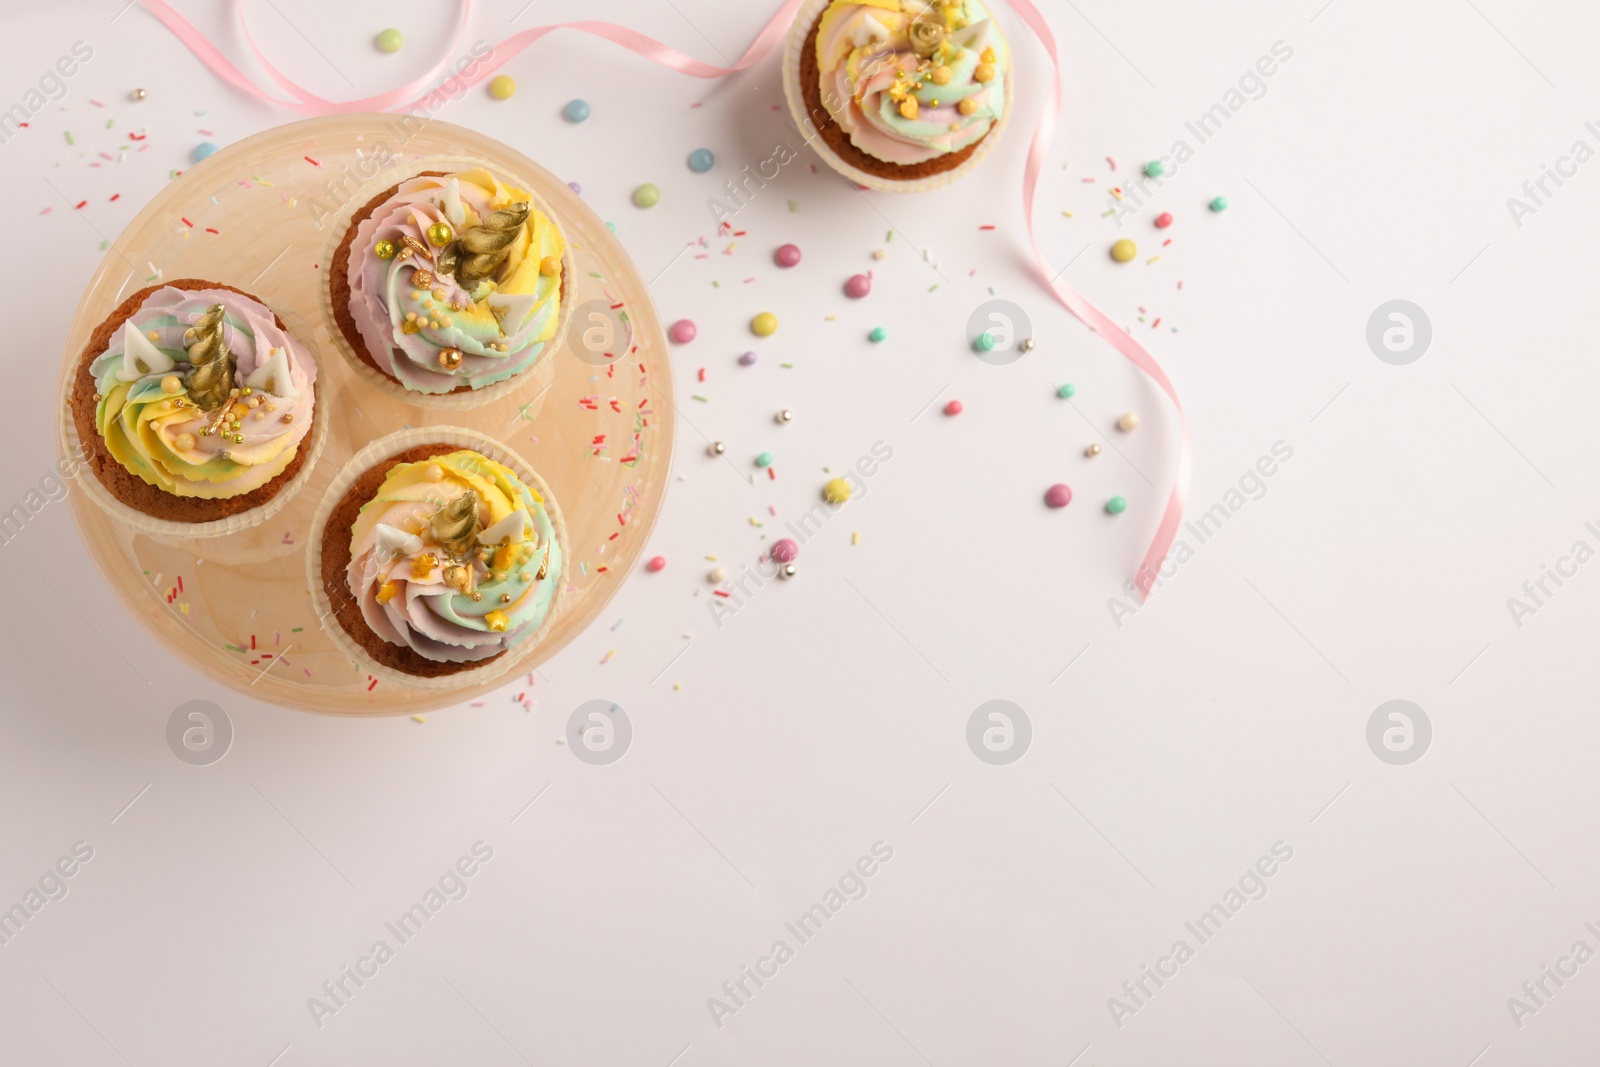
(412, 94)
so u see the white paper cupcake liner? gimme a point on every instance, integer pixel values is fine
(471, 398)
(362, 462)
(172, 529)
(792, 46)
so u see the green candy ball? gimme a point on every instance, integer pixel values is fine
(1067, 391)
(647, 195)
(391, 40)
(1116, 505)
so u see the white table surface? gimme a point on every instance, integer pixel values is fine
(1226, 715)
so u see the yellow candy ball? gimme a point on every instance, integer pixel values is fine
(968, 106)
(983, 73)
(942, 75)
(384, 249)
(764, 324)
(837, 491)
(549, 266)
(502, 86)
(171, 384)
(1124, 250)
(439, 234)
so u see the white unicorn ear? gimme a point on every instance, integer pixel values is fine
(512, 309)
(974, 35)
(869, 31)
(450, 204)
(139, 356)
(273, 376)
(393, 542)
(513, 527)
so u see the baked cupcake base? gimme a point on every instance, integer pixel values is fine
(128, 488)
(338, 289)
(835, 137)
(335, 555)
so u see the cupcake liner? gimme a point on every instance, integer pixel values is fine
(173, 529)
(792, 46)
(472, 398)
(365, 460)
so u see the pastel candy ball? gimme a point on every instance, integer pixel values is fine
(954, 408)
(576, 110)
(837, 491)
(878, 335)
(391, 40)
(682, 332)
(657, 563)
(575, 187)
(786, 255)
(702, 160)
(984, 342)
(858, 286)
(764, 324)
(785, 551)
(1116, 506)
(764, 459)
(1058, 495)
(1066, 391)
(1219, 204)
(647, 195)
(747, 360)
(1155, 168)
(1163, 220)
(502, 86)
(1124, 250)
(202, 150)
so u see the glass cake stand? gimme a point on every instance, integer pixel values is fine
(595, 418)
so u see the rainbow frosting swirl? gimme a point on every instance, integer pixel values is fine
(455, 558)
(436, 329)
(909, 80)
(215, 434)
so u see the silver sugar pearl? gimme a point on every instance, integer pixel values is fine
(1026, 344)
(785, 415)
(788, 571)
(139, 94)
(717, 448)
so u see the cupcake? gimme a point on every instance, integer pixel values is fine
(192, 404)
(437, 559)
(449, 283)
(894, 93)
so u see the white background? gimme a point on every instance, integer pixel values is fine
(829, 713)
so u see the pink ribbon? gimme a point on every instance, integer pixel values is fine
(772, 34)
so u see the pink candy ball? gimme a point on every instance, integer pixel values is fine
(1058, 496)
(657, 563)
(786, 255)
(785, 551)
(953, 408)
(858, 286)
(1164, 220)
(682, 332)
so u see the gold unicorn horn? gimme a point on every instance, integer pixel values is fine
(212, 376)
(479, 251)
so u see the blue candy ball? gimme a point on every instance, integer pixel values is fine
(701, 160)
(202, 150)
(576, 110)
